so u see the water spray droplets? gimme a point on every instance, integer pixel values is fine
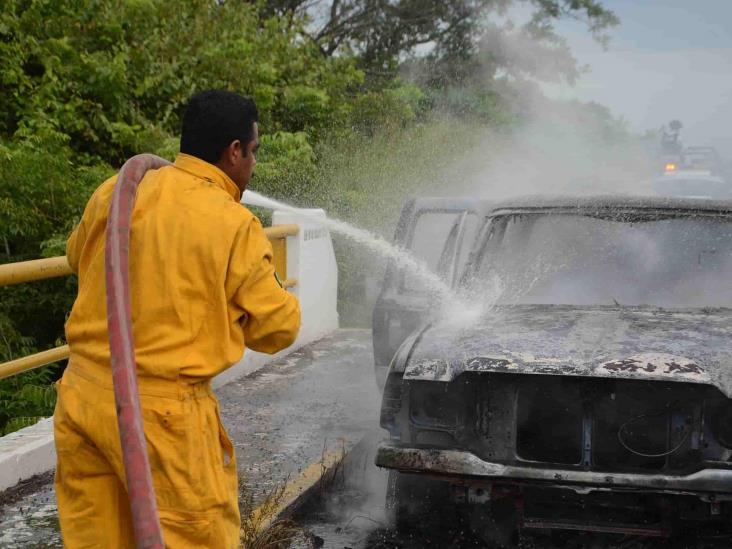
(403, 259)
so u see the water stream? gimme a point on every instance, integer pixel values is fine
(403, 259)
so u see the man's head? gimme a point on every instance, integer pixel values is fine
(220, 127)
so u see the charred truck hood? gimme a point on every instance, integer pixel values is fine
(650, 344)
(587, 399)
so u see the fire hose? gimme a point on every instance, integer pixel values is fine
(140, 490)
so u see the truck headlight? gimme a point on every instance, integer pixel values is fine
(391, 404)
(433, 405)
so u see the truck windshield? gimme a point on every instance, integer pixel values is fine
(583, 260)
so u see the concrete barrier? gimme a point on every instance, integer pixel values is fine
(310, 260)
(27, 452)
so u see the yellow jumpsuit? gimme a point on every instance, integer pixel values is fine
(203, 288)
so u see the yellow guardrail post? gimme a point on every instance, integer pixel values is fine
(282, 231)
(277, 236)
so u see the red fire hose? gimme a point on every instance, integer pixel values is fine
(141, 493)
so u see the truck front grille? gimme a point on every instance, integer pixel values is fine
(588, 423)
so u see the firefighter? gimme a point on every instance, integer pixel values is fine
(203, 288)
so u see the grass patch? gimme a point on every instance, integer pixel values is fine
(332, 471)
(260, 527)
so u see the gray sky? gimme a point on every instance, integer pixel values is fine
(668, 59)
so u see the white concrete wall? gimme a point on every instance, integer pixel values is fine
(310, 260)
(27, 452)
(314, 265)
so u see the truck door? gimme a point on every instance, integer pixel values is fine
(440, 232)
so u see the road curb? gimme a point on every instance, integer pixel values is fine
(314, 479)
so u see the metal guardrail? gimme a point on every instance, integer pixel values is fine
(30, 362)
(29, 271)
(53, 267)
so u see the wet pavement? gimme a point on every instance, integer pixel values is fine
(288, 414)
(281, 419)
(28, 515)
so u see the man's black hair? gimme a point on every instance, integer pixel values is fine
(215, 118)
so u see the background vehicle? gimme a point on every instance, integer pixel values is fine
(595, 395)
(694, 172)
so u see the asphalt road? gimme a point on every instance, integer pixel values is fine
(288, 414)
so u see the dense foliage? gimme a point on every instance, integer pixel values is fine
(343, 96)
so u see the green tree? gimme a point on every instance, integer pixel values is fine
(109, 77)
(383, 32)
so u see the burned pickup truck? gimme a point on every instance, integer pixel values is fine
(593, 392)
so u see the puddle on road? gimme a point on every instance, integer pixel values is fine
(31, 522)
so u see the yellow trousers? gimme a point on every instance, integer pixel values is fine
(191, 458)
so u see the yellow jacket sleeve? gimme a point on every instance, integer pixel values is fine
(270, 315)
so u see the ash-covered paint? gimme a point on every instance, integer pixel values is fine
(428, 369)
(657, 363)
(692, 346)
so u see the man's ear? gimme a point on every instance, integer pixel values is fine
(235, 146)
(225, 158)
